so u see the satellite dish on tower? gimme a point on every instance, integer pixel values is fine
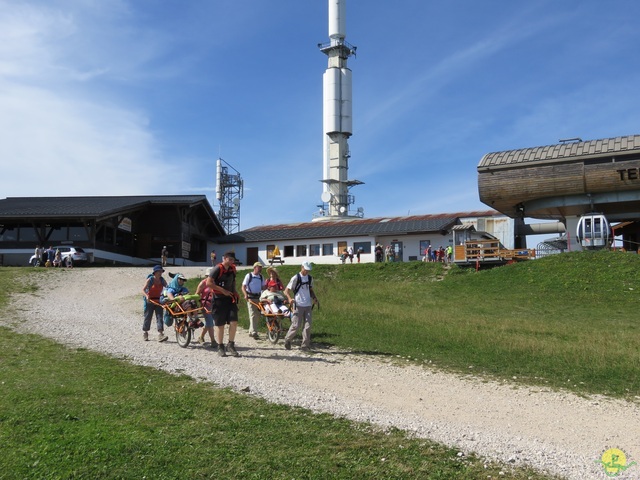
(325, 197)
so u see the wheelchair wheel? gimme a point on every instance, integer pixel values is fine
(183, 333)
(274, 328)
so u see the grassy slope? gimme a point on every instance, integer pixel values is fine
(564, 321)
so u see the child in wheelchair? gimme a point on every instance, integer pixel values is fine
(272, 297)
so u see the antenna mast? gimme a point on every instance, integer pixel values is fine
(229, 192)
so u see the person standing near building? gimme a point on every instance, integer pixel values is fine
(448, 253)
(252, 287)
(301, 288)
(213, 257)
(222, 281)
(164, 255)
(38, 256)
(51, 254)
(378, 252)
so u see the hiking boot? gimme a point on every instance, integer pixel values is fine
(162, 337)
(255, 336)
(145, 336)
(231, 348)
(221, 352)
(287, 345)
(201, 339)
(304, 348)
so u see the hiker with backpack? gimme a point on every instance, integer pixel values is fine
(252, 287)
(222, 281)
(152, 290)
(301, 287)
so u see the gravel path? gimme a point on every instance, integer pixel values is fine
(561, 433)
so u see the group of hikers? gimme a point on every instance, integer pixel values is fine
(438, 254)
(219, 298)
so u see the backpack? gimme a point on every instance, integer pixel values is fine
(251, 276)
(221, 273)
(300, 283)
(144, 299)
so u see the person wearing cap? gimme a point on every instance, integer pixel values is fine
(174, 292)
(222, 281)
(301, 287)
(206, 299)
(152, 290)
(272, 297)
(252, 286)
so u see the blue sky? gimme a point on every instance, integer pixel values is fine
(140, 97)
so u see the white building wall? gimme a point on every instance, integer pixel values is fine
(503, 228)
(410, 248)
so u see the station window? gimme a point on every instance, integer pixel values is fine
(327, 249)
(288, 250)
(314, 249)
(365, 246)
(270, 250)
(301, 251)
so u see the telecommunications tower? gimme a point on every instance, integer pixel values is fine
(229, 192)
(337, 119)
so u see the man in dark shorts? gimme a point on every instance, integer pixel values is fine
(222, 281)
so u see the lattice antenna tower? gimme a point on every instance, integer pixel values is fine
(229, 192)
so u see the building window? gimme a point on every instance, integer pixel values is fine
(57, 234)
(270, 249)
(342, 246)
(365, 246)
(301, 251)
(8, 234)
(28, 234)
(78, 234)
(314, 249)
(288, 250)
(327, 249)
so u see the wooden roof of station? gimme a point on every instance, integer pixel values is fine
(571, 178)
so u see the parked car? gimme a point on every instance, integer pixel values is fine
(77, 254)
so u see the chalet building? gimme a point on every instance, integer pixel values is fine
(323, 241)
(114, 230)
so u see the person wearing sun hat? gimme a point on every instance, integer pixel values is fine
(252, 286)
(152, 290)
(301, 287)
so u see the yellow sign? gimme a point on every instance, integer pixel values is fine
(276, 252)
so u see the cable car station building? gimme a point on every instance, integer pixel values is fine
(567, 182)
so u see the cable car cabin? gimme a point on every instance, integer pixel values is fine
(594, 231)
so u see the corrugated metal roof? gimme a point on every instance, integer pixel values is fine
(563, 151)
(87, 207)
(464, 226)
(353, 227)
